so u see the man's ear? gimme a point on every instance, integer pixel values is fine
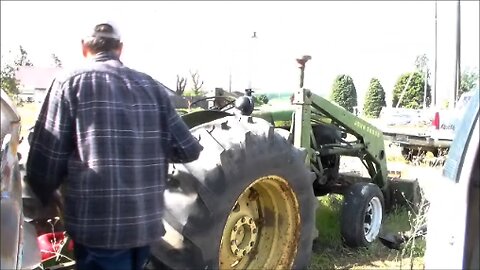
(84, 49)
(119, 49)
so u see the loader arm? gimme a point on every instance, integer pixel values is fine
(369, 145)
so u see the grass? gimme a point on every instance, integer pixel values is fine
(330, 253)
(328, 220)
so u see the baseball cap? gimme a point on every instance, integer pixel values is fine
(110, 31)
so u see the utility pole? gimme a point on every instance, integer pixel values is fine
(457, 57)
(230, 80)
(425, 87)
(252, 64)
(230, 73)
(434, 95)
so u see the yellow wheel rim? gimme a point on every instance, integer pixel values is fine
(262, 230)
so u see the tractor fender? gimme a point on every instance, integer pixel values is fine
(197, 118)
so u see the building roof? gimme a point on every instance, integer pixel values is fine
(36, 77)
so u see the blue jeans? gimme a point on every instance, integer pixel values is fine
(87, 258)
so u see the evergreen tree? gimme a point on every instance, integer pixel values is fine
(344, 92)
(375, 99)
(414, 93)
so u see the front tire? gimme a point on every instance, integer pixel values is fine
(362, 214)
(246, 203)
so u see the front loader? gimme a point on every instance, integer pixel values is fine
(249, 201)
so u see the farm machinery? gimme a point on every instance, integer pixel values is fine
(249, 201)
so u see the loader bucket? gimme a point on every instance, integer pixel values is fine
(404, 193)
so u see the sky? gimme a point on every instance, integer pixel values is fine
(363, 39)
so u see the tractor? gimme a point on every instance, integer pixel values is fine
(249, 201)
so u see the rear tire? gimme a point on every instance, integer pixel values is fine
(246, 203)
(362, 214)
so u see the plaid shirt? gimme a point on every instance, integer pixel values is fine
(107, 133)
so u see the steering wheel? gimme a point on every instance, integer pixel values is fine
(230, 102)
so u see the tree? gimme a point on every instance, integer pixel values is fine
(23, 60)
(9, 81)
(375, 99)
(344, 92)
(197, 84)
(469, 80)
(260, 100)
(263, 98)
(181, 83)
(414, 91)
(56, 61)
(421, 64)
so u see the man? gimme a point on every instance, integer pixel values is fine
(106, 134)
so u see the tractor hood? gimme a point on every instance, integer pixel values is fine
(277, 116)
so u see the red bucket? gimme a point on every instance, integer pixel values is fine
(50, 244)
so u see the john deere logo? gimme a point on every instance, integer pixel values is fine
(368, 129)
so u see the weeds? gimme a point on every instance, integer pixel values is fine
(330, 253)
(415, 245)
(60, 256)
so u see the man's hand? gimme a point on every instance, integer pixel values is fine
(57, 202)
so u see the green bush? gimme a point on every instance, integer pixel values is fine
(469, 80)
(263, 99)
(260, 100)
(375, 99)
(190, 93)
(344, 92)
(413, 97)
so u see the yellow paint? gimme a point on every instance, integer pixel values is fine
(282, 123)
(263, 228)
(373, 131)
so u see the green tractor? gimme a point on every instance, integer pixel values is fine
(249, 201)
